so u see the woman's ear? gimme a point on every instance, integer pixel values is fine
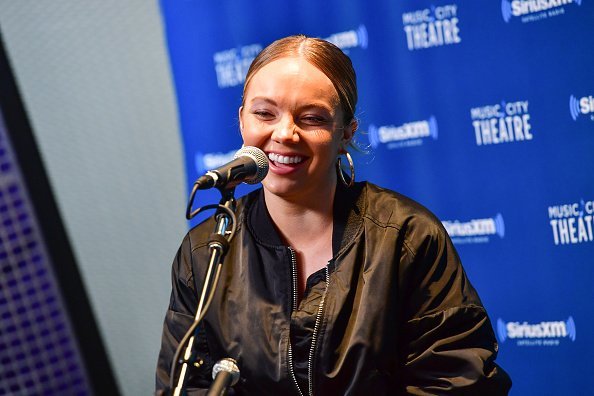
(348, 132)
(240, 120)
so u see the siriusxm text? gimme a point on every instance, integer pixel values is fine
(534, 10)
(208, 161)
(523, 7)
(410, 130)
(540, 330)
(586, 104)
(470, 228)
(350, 38)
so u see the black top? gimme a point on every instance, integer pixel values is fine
(395, 314)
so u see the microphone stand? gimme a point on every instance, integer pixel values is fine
(218, 247)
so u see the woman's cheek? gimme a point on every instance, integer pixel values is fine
(254, 136)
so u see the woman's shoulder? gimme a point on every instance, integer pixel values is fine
(414, 224)
(390, 208)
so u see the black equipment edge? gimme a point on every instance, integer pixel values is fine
(84, 325)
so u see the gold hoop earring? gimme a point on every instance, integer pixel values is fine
(351, 180)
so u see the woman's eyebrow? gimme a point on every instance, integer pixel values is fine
(263, 99)
(317, 105)
(307, 106)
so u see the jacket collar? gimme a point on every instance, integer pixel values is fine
(348, 212)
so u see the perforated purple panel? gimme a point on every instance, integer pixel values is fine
(38, 351)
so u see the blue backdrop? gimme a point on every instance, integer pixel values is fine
(482, 111)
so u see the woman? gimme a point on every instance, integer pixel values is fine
(330, 287)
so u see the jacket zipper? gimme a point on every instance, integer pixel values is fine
(293, 308)
(314, 336)
(312, 349)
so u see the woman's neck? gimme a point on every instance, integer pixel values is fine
(307, 228)
(299, 222)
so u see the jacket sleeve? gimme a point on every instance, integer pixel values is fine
(179, 317)
(449, 345)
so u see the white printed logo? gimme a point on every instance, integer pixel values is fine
(501, 123)
(209, 161)
(406, 135)
(231, 65)
(536, 334)
(534, 10)
(584, 105)
(350, 38)
(475, 230)
(431, 27)
(572, 223)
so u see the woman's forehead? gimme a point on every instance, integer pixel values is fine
(291, 75)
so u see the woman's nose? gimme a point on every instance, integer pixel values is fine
(285, 131)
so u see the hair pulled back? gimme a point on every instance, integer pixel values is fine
(325, 56)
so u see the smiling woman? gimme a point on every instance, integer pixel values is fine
(330, 287)
(292, 113)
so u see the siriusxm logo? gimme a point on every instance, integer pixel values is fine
(231, 65)
(406, 135)
(534, 10)
(572, 223)
(584, 105)
(208, 161)
(431, 27)
(475, 230)
(505, 122)
(536, 334)
(350, 38)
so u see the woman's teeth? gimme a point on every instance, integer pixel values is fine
(284, 159)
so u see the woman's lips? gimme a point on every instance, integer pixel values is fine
(283, 164)
(285, 159)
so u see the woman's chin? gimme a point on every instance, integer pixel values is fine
(282, 188)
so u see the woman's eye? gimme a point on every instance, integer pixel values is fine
(263, 114)
(313, 120)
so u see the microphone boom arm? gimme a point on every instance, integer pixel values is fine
(218, 246)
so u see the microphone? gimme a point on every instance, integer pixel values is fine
(249, 165)
(225, 373)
